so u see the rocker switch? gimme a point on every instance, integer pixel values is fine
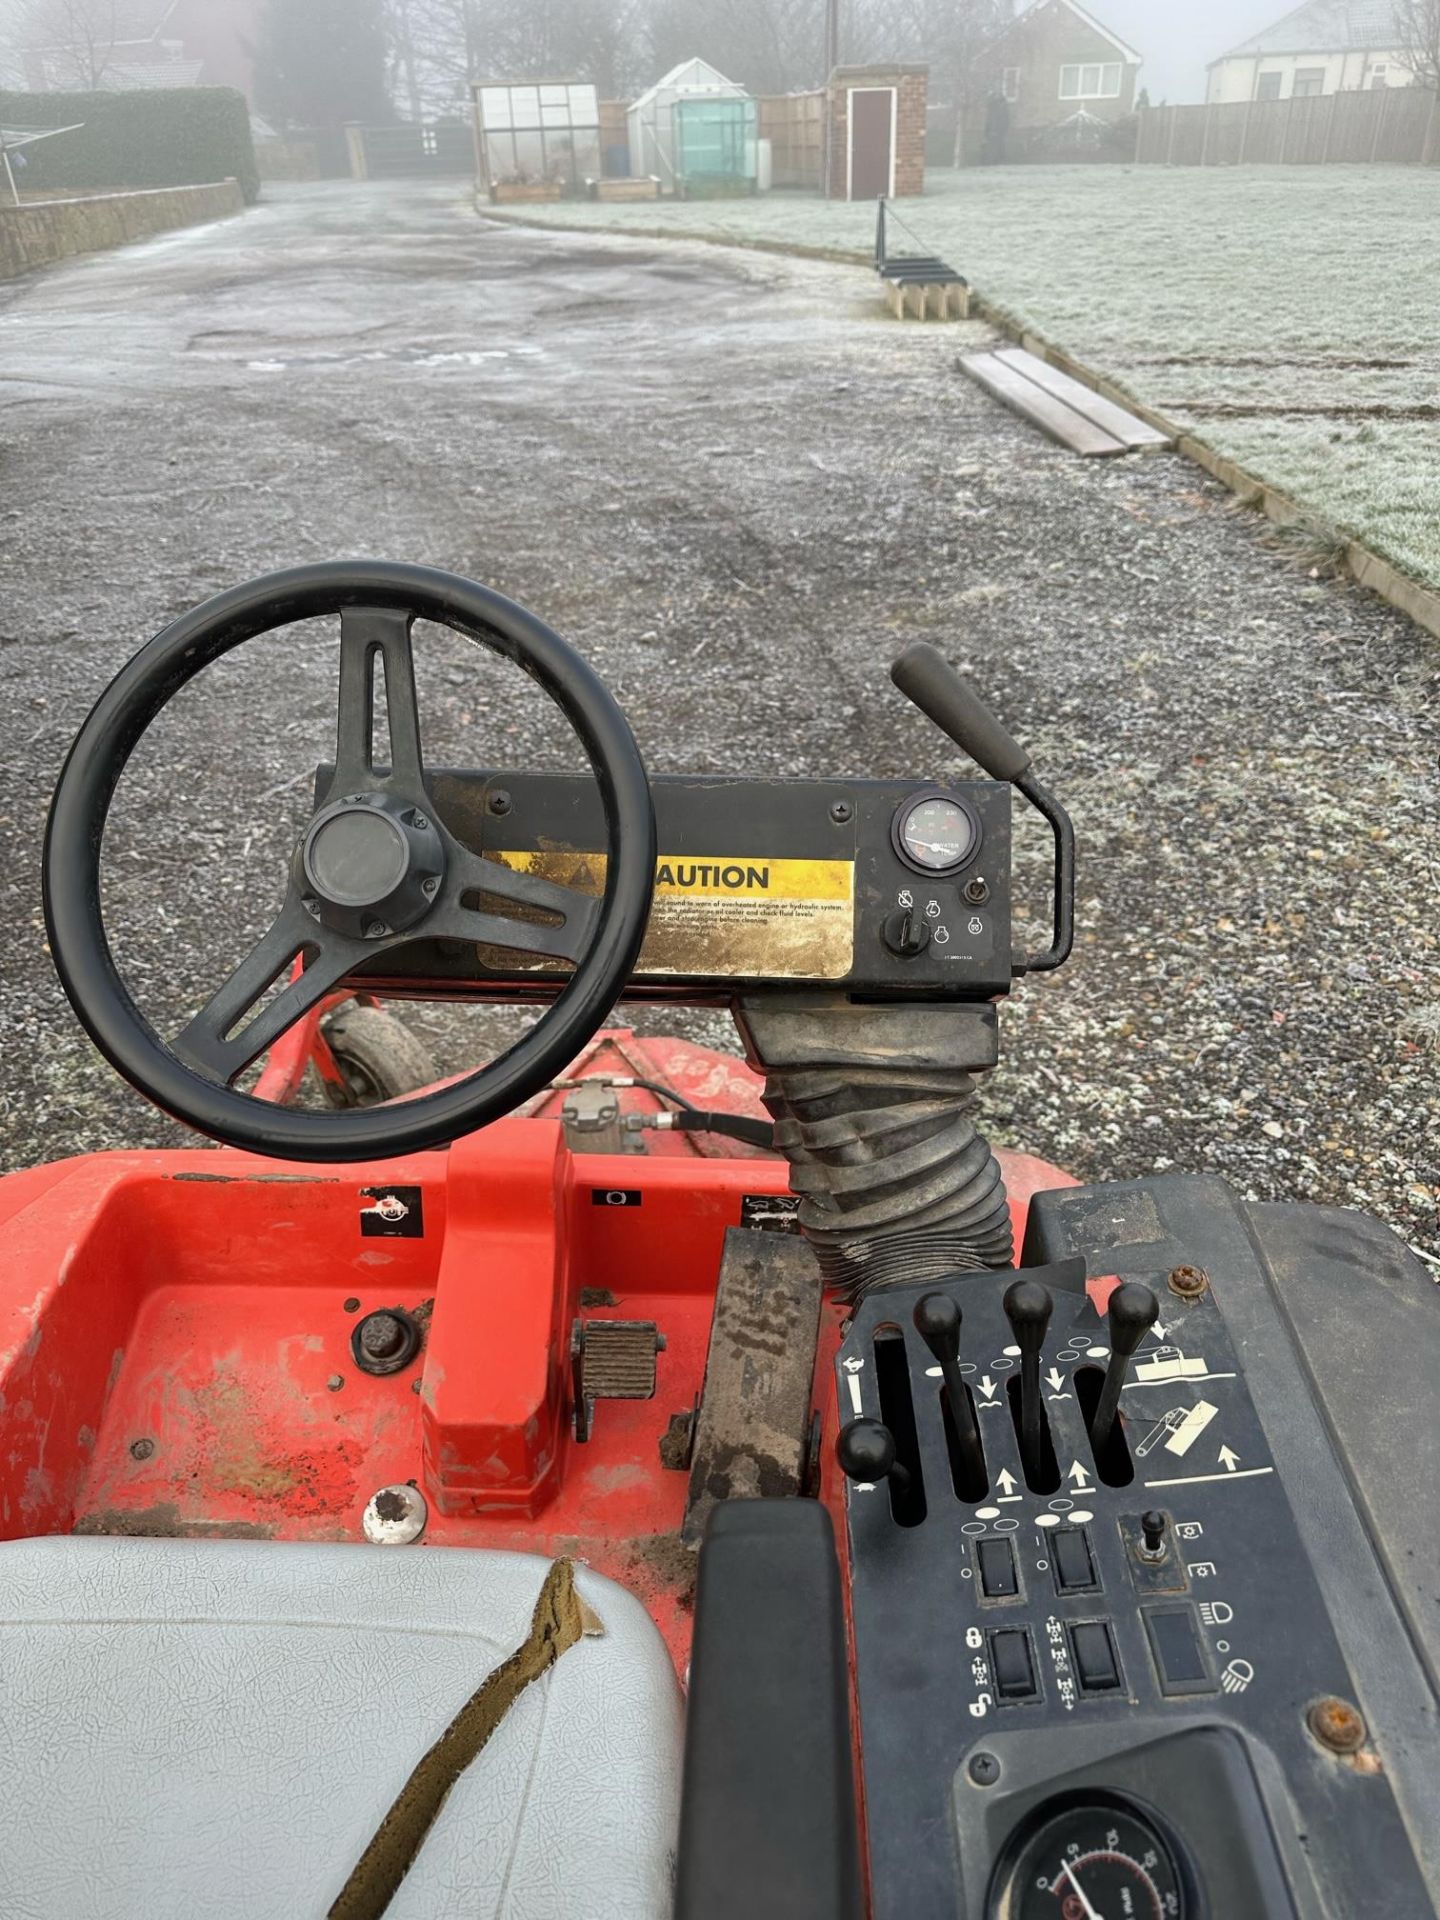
(1074, 1569)
(998, 1578)
(1014, 1668)
(1095, 1660)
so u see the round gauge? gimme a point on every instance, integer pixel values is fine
(937, 833)
(1090, 1861)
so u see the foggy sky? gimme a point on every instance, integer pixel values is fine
(1178, 37)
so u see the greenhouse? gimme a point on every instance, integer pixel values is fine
(695, 131)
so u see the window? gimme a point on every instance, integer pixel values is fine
(1267, 86)
(1309, 81)
(1377, 75)
(1091, 82)
(1010, 83)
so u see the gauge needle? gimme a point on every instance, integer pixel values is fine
(1091, 1913)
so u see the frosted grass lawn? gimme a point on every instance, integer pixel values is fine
(1291, 315)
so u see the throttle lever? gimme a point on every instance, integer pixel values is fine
(926, 677)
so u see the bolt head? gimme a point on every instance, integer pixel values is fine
(395, 1516)
(984, 1769)
(141, 1449)
(1336, 1725)
(840, 812)
(499, 801)
(1189, 1282)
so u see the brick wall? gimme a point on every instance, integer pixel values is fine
(35, 235)
(910, 84)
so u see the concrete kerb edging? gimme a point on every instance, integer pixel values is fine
(1366, 567)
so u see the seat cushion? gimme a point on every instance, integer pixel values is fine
(217, 1727)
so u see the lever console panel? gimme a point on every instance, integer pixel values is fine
(1155, 1666)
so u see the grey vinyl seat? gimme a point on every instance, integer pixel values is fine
(217, 1727)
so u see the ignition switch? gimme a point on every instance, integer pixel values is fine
(905, 933)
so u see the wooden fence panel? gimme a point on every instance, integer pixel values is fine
(1398, 126)
(794, 124)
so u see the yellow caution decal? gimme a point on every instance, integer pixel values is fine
(721, 917)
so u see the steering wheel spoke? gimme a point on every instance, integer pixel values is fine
(501, 906)
(220, 1041)
(371, 635)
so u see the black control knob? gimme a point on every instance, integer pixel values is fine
(1152, 1533)
(905, 933)
(1028, 1307)
(866, 1452)
(937, 1321)
(1133, 1310)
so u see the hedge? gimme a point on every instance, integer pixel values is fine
(156, 137)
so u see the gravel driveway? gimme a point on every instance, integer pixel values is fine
(739, 491)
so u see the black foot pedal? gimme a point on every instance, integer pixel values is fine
(752, 1433)
(611, 1360)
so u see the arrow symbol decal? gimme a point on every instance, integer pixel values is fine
(1056, 1379)
(1228, 1459)
(987, 1388)
(1006, 1479)
(1077, 1474)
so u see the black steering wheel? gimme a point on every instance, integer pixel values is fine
(374, 868)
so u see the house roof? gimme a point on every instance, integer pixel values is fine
(688, 77)
(1127, 53)
(1325, 26)
(123, 76)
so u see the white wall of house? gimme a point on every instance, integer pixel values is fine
(1273, 75)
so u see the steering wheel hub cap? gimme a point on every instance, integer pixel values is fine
(370, 865)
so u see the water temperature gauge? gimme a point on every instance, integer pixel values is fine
(1089, 1860)
(936, 832)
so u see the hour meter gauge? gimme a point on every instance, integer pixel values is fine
(1089, 1860)
(936, 833)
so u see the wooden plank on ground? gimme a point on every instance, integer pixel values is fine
(1042, 409)
(1109, 417)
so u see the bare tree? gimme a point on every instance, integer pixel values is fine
(438, 47)
(77, 39)
(1418, 25)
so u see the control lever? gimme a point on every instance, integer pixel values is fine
(926, 677)
(937, 1321)
(866, 1452)
(1133, 1310)
(1028, 1307)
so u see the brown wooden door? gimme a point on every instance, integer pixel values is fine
(872, 131)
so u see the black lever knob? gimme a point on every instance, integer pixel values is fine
(1133, 1310)
(924, 675)
(866, 1452)
(937, 1321)
(1028, 1307)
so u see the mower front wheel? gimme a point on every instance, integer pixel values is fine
(377, 1057)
